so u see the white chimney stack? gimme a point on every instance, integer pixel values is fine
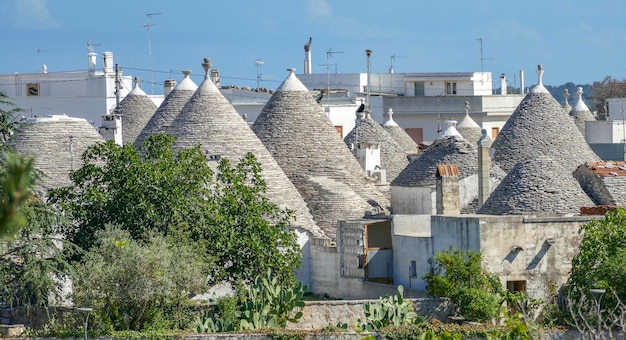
(521, 82)
(307, 57)
(503, 89)
(91, 62)
(168, 86)
(108, 62)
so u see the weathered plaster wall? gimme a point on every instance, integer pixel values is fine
(411, 242)
(413, 200)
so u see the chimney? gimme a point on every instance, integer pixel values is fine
(108, 62)
(168, 86)
(484, 163)
(521, 82)
(91, 62)
(307, 57)
(368, 156)
(215, 76)
(503, 88)
(448, 190)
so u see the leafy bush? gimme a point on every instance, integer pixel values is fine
(459, 276)
(130, 285)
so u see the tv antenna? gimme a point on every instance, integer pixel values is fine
(329, 54)
(259, 76)
(147, 27)
(482, 57)
(393, 57)
(90, 46)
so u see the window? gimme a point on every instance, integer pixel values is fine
(494, 132)
(339, 129)
(516, 286)
(419, 88)
(413, 269)
(450, 88)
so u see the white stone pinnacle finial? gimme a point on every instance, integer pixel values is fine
(291, 70)
(186, 73)
(579, 92)
(566, 96)
(136, 81)
(467, 107)
(206, 65)
(390, 112)
(539, 74)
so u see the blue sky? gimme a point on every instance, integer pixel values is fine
(578, 41)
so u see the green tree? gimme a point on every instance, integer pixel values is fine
(17, 180)
(176, 193)
(10, 123)
(250, 233)
(131, 284)
(34, 266)
(460, 276)
(601, 258)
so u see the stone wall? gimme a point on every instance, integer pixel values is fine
(320, 314)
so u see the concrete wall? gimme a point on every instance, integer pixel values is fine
(413, 200)
(324, 269)
(411, 242)
(605, 131)
(537, 250)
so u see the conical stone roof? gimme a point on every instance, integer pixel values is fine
(209, 120)
(539, 127)
(136, 110)
(468, 128)
(580, 112)
(56, 143)
(445, 150)
(392, 157)
(537, 186)
(169, 109)
(394, 130)
(295, 129)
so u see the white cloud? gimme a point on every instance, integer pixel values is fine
(318, 9)
(347, 27)
(33, 15)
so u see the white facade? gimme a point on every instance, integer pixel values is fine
(617, 108)
(87, 95)
(421, 101)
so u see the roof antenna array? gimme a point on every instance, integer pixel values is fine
(90, 46)
(147, 27)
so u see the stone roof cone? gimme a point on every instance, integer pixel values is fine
(451, 149)
(136, 110)
(539, 127)
(169, 108)
(295, 129)
(580, 112)
(468, 128)
(209, 120)
(537, 186)
(56, 143)
(404, 140)
(392, 157)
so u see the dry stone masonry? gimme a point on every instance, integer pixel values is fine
(392, 157)
(57, 144)
(136, 110)
(295, 129)
(402, 138)
(169, 109)
(446, 150)
(539, 127)
(210, 121)
(539, 185)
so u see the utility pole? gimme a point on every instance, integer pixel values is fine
(147, 27)
(482, 57)
(258, 77)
